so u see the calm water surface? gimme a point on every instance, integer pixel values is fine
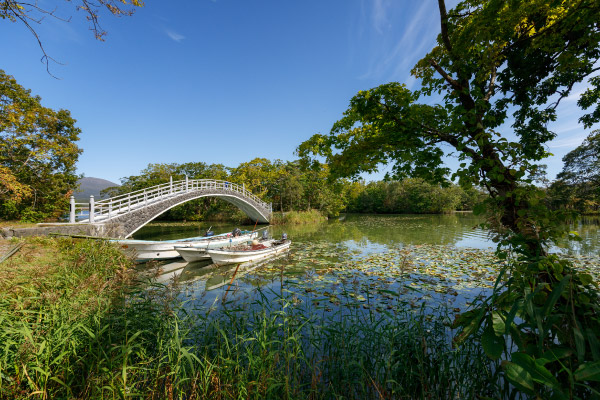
(376, 233)
(366, 261)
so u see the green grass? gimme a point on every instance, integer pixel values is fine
(297, 217)
(16, 224)
(73, 324)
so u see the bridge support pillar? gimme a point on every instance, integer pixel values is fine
(72, 210)
(92, 208)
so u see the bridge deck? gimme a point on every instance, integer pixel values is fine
(133, 210)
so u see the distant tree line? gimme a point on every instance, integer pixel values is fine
(412, 196)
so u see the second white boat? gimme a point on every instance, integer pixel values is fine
(245, 253)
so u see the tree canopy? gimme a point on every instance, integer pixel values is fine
(37, 154)
(578, 184)
(582, 165)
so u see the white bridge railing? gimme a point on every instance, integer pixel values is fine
(104, 210)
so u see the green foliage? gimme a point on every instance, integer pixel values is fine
(544, 321)
(414, 196)
(297, 218)
(37, 155)
(578, 185)
(490, 56)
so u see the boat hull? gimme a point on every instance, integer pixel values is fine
(225, 256)
(191, 254)
(145, 250)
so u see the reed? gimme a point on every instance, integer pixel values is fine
(78, 326)
(297, 217)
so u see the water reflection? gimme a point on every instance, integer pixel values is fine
(373, 231)
(365, 230)
(587, 227)
(376, 233)
(360, 256)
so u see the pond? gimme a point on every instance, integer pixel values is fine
(366, 262)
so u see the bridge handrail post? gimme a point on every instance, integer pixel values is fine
(129, 203)
(186, 184)
(170, 185)
(109, 209)
(72, 210)
(145, 197)
(92, 208)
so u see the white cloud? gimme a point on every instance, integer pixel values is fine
(567, 142)
(394, 51)
(379, 15)
(174, 35)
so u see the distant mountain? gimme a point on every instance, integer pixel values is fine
(92, 186)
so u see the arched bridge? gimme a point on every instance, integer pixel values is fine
(123, 215)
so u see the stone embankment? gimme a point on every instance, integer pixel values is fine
(96, 230)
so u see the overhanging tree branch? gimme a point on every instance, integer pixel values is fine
(444, 25)
(455, 85)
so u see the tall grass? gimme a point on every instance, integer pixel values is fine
(297, 217)
(79, 328)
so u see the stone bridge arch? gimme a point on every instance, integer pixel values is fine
(121, 216)
(135, 220)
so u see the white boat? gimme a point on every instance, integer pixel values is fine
(144, 250)
(198, 252)
(191, 254)
(246, 253)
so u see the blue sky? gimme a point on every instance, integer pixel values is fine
(225, 81)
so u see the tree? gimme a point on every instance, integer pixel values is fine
(37, 154)
(290, 189)
(258, 175)
(412, 195)
(30, 13)
(582, 165)
(578, 184)
(492, 58)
